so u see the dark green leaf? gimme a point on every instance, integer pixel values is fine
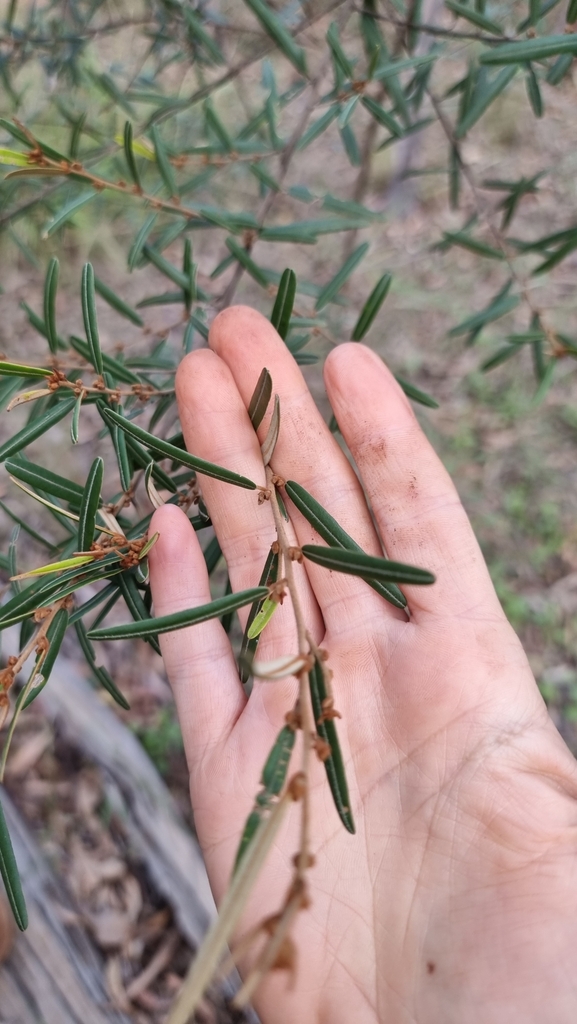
(169, 451)
(534, 92)
(367, 567)
(212, 555)
(499, 305)
(465, 241)
(330, 290)
(339, 55)
(572, 12)
(116, 302)
(275, 770)
(42, 479)
(371, 307)
(319, 126)
(75, 422)
(89, 315)
(252, 823)
(27, 529)
(473, 16)
(100, 673)
(36, 428)
(280, 35)
(89, 505)
(329, 529)
(560, 68)
(334, 765)
(10, 876)
(50, 287)
(19, 370)
(245, 261)
(284, 302)
(351, 146)
(65, 213)
(382, 116)
(199, 35)
(214, 123)
(539, 48)
(416, 394)
(129, 155)
(178, 620)
(55, 636)
(164, 164)
(260, 398)
(483, 97)
(136, 605)
(137, 246)
(111, 365)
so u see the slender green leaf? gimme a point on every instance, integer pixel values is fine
(36, 428)
(534, 92)
(198, 35)
(136, 248)
(75, 422)
(249, 642)
(371, 307)
(55, 636)
(42, 479)
(89, 505)
(212, 555)
(334, 765)
(328, 293)
(367, 567)
(163, 161)
(465, 241)
(272, 780)
(482, 99)
(319, 126)
(50, 287)
(474, 17)
(498, 357)
(130, 156)
(339, 55)
(21, 370)
(169, 451)
(178, 620)
(329, 529)
(416, 394)
(261, 395)
(10, 876)
(572, 12)
(280, 35)
(101, 674)
(560, 68)
(66, 212)
(136, 605)
(116, 302)
(539, 48)
(89, 315)
(283, 307)
(382, 116)
(245, 261)
(112, 366)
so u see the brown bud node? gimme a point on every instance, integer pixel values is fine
(297, 786)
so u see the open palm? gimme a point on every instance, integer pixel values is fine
(456, 901)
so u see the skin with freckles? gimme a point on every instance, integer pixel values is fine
(456, 901)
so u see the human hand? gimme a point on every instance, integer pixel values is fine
(457, 899)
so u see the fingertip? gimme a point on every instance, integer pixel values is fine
(174, 530)
(239, 324)
(353, 372)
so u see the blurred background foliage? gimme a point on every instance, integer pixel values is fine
(193, 150)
